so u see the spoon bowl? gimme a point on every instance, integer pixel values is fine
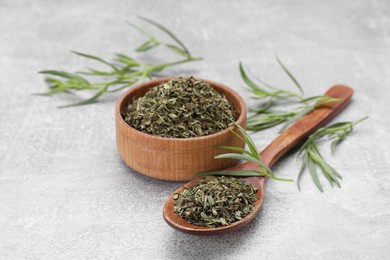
(294, 135)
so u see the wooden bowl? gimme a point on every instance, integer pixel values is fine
(175, 159)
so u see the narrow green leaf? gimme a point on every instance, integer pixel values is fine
(314, 98)
(126, 60)
(63, 74)
(118, 88)
(177, 49)
(140, 30)
(338, 125)
(296, 117)
(302, 169)
(247, 81)
(93, 72)
(336, 173)
(237, 135)
(333, 180)
(313, 173)
(289, 74)
(56, 86)
(237, 156)
(327, 101)
(317, 158)
(263, 108)
(244, 157)
(232, 148)
(327, 176)
(249, 142)
(162, 28)
(259, 127)
(149, 44)
(334, 144)
(88, 56)
(89, 101)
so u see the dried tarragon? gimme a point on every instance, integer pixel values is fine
(215, 201)
(180, 108)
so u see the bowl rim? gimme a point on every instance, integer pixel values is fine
(118, 116)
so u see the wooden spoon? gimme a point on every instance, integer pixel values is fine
(294, 135)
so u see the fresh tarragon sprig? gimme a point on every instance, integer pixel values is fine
(251, 155)
(267, 116)
(312, 158)
(124, 72)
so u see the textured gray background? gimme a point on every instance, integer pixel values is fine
(64, 192)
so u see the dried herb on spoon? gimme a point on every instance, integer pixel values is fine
(215, 201)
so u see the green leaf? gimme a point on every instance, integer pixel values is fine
(100, 73)
(333, 180)
(296, 117)
(237, 156)
(237, 135)
(313, 173)
(316, 156)
(88, 56)
(289, 74)
(249, 142)
(126, 60)
(244, 157)
(247, 81)
(338, 125)
(149, 44)
(302, 169)
(169, 33)
(56, 86)
(335, 132)
(253, 126)
(328, 177)
(327, 101)
(89, 101)
(232, 148)
(252, 156)
(314, 98)
(177, 49)
(63, 74)
(263, 108)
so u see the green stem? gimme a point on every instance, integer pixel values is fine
(169, 64)
(280, 179)
(359, 121)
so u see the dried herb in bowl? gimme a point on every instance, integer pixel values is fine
(180, 108)
(215, 201)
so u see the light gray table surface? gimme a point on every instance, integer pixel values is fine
(65, 193)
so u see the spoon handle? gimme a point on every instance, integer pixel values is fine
(302, 128)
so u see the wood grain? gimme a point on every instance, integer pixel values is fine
(174, 159)
(294, 135)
